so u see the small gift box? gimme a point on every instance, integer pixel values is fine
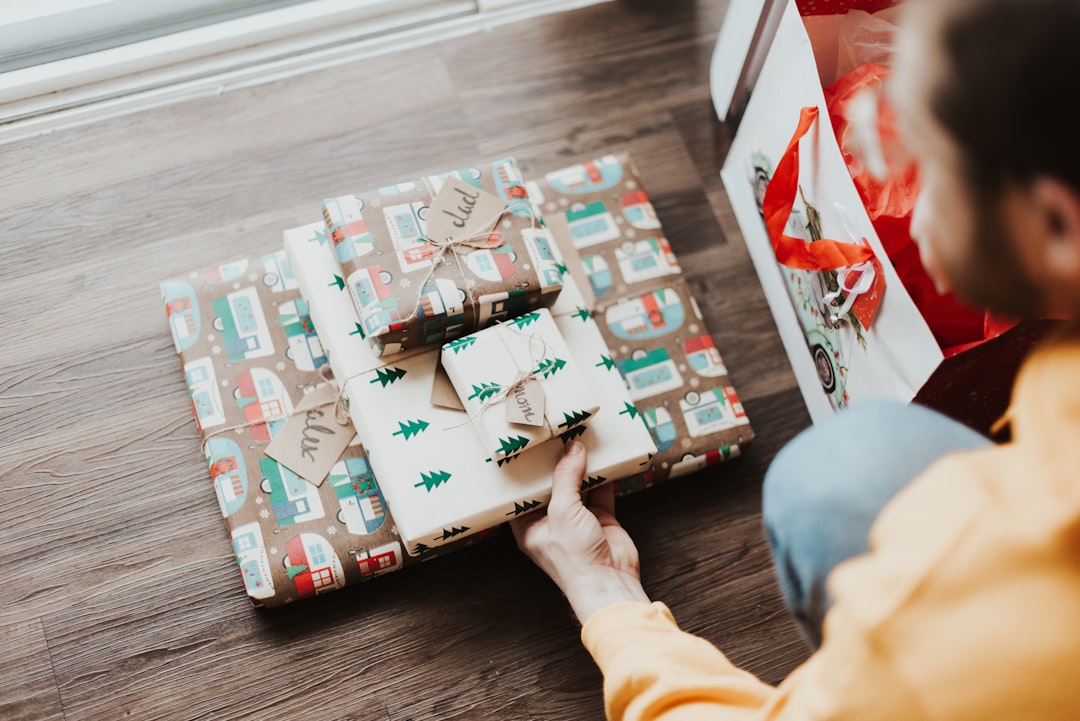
(519, 383)
(440, 257)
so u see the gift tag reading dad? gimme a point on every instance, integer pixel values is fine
(312, 440)
(462, 211)
(525, 404)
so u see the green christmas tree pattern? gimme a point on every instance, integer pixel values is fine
(575, 418)
(432, 479)
(359, 331)
(420, 548)
(582, 313)
(460, 344)
(606, 362)
(549, 367)
(319, 236)
(484, 391)
(523, 321)
(451, 532)
(388, 375)
(294, 571)
(592, 481)
(512, 444)
(629, 409)
(522, 507)
(408, 429)
(338, 281)
(572, 434)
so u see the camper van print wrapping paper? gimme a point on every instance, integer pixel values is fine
(386, 261)
(249, 354)
(430, 463)
(648, 317)
(484, 366)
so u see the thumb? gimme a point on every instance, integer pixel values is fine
(566, 479)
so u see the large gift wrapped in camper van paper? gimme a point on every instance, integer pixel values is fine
(430, 260)
(250, 355)
(655, 332)
(435, 471)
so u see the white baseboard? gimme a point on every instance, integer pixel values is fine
(236, 54)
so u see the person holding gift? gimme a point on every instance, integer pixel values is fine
(962, 601)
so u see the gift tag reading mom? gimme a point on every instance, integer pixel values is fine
(525, 404)
(462, 211)
(312, 440)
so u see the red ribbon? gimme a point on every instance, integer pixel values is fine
(777, 204)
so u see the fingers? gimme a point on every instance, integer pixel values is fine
(566, 479)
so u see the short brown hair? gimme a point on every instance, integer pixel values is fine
(1004, 94)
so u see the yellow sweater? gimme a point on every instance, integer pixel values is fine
(966, 608)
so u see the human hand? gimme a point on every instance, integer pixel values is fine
(581, 546)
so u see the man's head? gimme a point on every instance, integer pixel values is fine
(982, 90)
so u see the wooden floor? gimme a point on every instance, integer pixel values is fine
(120, 597)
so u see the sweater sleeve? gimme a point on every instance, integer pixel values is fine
(653, 671)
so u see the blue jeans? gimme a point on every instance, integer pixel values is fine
(824, 489)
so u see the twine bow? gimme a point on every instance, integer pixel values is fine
(523, 377)
(480, 240)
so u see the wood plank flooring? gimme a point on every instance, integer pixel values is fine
(120, 598)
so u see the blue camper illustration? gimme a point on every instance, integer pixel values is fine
(377, 561)
(263, 398)
(510, 186)
(182, 309)
(228, 473)
(703, 357)
(645, 259)
(599, 174)
(363, 509)
(278, 273)
(711, 411)
(312, 565)
(544, 256)
(251, 556)
(407, 224)
(239, 318)
(660, 425)
(441, 305)
(591, 224)
(305, 350)
(205, 395)
(652, 315)
(226, 273)
(292, 499)
(648, 373)
(348, 229)
(599, 273)
(639, 211)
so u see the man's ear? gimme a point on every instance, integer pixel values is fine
(1057, 220)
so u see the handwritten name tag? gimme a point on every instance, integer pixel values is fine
(460, 211)
(312, 440)
(525, 404)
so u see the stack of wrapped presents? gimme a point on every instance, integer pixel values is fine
(400, 378)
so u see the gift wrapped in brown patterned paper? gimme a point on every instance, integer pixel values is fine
(601, 215)
(413, 290)
(250, 355)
